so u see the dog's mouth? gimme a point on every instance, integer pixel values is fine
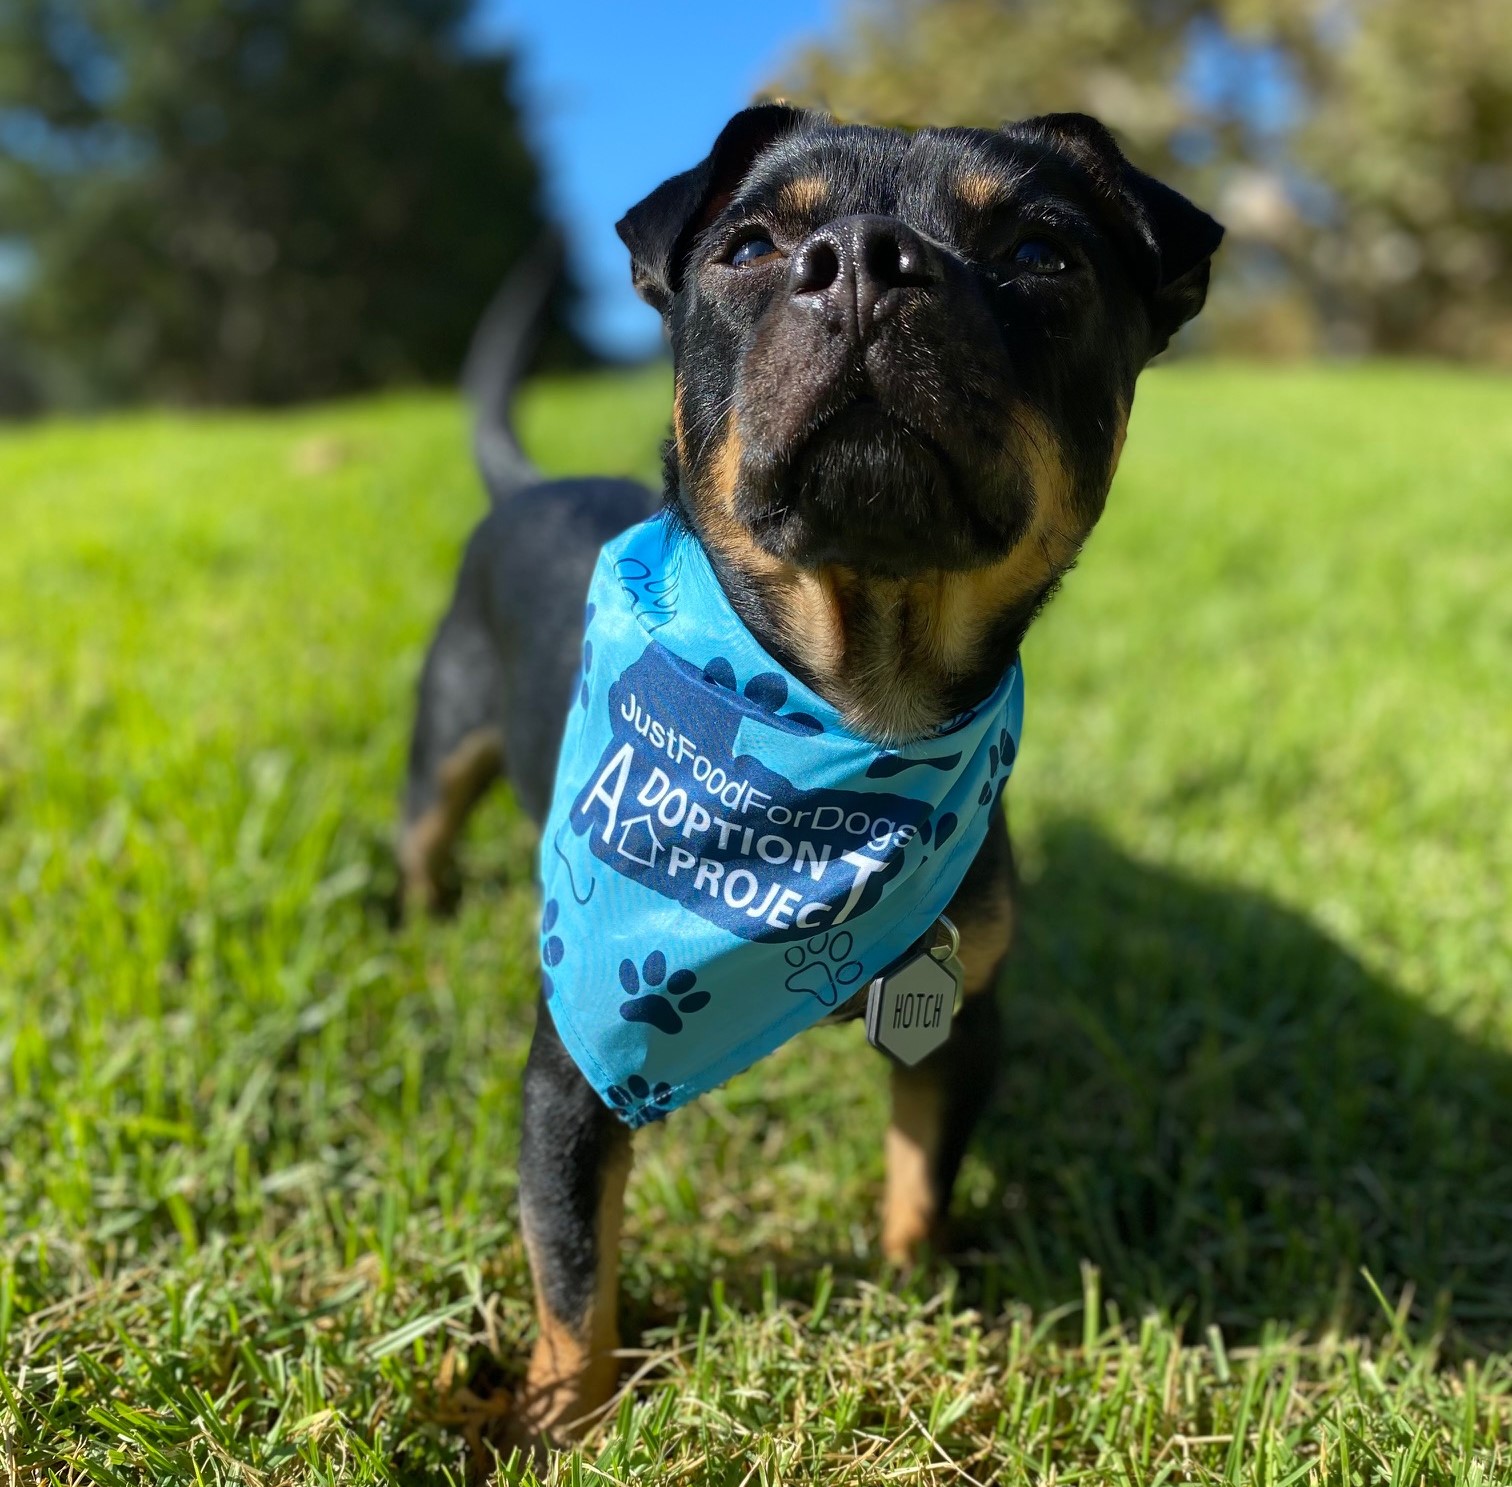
(865, 423)
(865, 488)
(866, 412)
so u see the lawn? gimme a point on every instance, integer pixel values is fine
(1243, 1212)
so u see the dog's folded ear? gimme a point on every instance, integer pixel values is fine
(1173, 241)
(659, 231)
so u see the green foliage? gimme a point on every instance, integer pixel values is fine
(255, 201)
(1411, 129)
(1377, 216)
(983, 61)
(256, 1148)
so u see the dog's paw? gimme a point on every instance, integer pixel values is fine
(768, 690)
(822, 966)
(655, 997)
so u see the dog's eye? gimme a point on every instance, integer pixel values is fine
(753, 250)
(1039, 257)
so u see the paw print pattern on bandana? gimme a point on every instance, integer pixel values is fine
(822, 966)
(1000, 760)
(768, 690)
(588, 615)
(656, 997)
(885, 766)
(640, 1102)
(552, 949)
(940, 831)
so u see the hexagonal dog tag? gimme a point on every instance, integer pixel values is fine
(910, 1006)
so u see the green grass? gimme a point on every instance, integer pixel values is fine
(1243, 1212)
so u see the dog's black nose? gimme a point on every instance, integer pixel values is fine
(849, 266)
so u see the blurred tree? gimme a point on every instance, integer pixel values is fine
(983, 61)
(1359, 150)
(1407, 126)
(254, 200)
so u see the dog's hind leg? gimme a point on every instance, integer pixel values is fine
(574, 1163)
(457, 748)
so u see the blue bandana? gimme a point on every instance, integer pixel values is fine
(725, 861)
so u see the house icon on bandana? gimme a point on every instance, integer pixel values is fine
(637, 836)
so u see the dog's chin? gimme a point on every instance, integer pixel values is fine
(867, 493)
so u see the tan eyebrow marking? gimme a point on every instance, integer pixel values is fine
(803, 195)
(980, 188)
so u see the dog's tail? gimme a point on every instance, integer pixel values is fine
(496, 361)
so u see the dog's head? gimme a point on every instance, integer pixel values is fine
(907, 359)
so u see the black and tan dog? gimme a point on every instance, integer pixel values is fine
(904, 366)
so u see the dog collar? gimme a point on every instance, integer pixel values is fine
(725, 861)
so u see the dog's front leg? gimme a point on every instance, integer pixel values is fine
(936, 1104)
(574, 1161)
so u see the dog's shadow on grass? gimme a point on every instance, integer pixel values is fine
(1231, 1116)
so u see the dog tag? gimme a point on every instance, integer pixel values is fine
(910, 1006)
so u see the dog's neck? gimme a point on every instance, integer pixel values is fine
(898, 657)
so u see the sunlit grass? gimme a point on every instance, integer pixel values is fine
(1242, 1212)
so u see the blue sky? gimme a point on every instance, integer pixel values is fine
(620, 96)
